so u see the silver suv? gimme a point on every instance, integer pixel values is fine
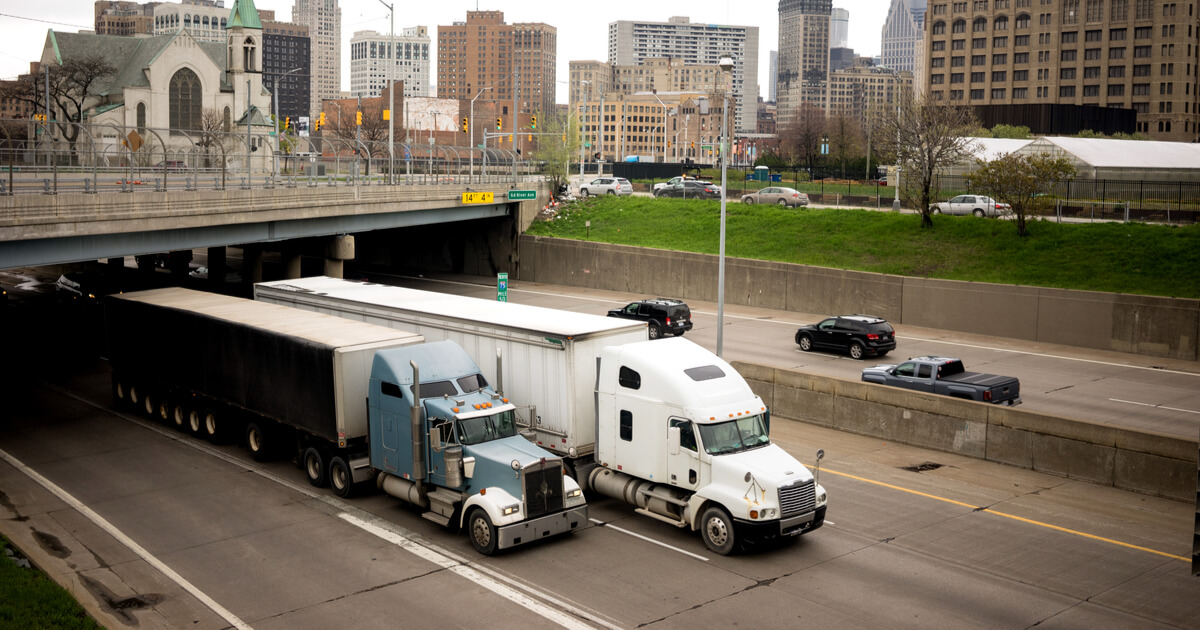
(606, 186)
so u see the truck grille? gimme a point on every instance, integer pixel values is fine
(543, 489)
(797, 498)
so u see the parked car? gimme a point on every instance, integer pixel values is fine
(172, 165)
(606, 186)
(856, 335)
(948, 377)
(777, 195)
(972, 204)
(663, 316)
(201, 273)
(671, 182)
(691, 190)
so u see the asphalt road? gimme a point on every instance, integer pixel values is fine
(152, 528)
(1146, 393)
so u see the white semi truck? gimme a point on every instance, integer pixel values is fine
(664, 425)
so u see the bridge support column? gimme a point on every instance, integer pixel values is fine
(179, 262)
(252, 257)
(340, 248)
(291, 265)
(216, 265)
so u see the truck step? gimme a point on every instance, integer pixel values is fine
(665, 519)
(440, 519)
(441, 501)
(662, 496)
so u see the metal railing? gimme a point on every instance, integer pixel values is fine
(38, 158)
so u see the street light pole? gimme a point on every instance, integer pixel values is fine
(664, 125)
(275, 100)
(583, 127)
(896, 96)
(726, 64)
(471, 135)
(391, 94)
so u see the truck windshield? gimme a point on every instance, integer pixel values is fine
(487, 428)
(734, 436)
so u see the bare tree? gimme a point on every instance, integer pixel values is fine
(557, 145)
(1022, 181)
(845, 139)
(925, 136)
(801, 140)
(71, 87)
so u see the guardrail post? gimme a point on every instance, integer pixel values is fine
(46, 187)
(159, 186)
(87, 186)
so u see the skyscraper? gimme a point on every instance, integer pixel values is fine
(903, 39)
(486, 52)
(803, 55)
(369, 55)
(324, 21)
(773, 74)
(839, 28)
(632, 42)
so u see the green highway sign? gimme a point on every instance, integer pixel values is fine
(587, 145)
(502, 287)
(521, 195)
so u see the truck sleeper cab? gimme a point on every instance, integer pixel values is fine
(690, 446)
(445, 441)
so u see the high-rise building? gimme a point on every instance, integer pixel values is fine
(124, 18)
(286, 46)
(839, 28)
(632, 42)
(803, 55)
(324, 21)
(902, 41)
(653, 75)
(589, 80)
(205, 19)
(1131, 54)
(484, 52)
(860, 92)
(773, 78)
(369, 55)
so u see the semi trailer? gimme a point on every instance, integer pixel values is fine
(352, 402)
(664, 425)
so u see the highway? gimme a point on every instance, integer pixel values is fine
(156, 529)
(1138, 392)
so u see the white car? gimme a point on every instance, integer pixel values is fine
(675, 180)
(606, 186)
(972, 204)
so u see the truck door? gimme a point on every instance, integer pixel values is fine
(924, 380)
(392, 407)
(684, 468)
(437, 457)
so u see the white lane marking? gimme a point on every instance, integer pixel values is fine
(649, 540)
(1134, 402)
(120, 536)
(346, 508)
(797, 324)
(467, 572)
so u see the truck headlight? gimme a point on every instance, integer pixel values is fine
(512, 509)
(571, 494)
(822, 497)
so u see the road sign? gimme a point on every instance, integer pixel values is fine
(477, 197)
(587, 145)
(521, 195)
(407, 154)
(502, 287)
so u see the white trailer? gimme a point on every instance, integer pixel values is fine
(548, 356)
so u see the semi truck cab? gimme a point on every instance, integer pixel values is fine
(443, 439)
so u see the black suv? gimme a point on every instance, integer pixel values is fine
(858, 335)
(665, 316)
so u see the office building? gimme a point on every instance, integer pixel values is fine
(124, 18)
(861, 92)
(324, 21)
(588, 80)
(839, 28)
(1090, 54)
(286, 46)
(484, 52)
(772, 74)
(652, 75)
(683, 126)
(803, 55)
(630, 43)
(369, 55)
(902, 41)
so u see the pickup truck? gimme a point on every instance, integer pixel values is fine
(948, 377)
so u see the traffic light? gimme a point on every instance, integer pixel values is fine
(358, 118)
(322, 121)
(596, 156)
(531, 137)
(564, 137)
(693, 144)
(668, 144)
(465, 128)
(533, 122)
(499, 123)
(287, 123)
(510, 138)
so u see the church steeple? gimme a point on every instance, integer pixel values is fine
(244, 15)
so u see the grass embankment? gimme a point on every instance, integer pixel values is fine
(29, 599)
(1112, 257)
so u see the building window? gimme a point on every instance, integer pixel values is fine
(937, 79)
(958, 44)
(1020, 75)
(1116, 53)
(999, 60)
(979, 42)
(1142, 70)
(1066, 74)
(1116, 90)
(1143, 9)
(979, 25)
(1141, 89)
(1001, 24)
(1023, 21)
(957, 62)
(1092, 72)
(1021, 40)
(978, 60)
(1116, 72)
(141, 118)
(1070, 37)
(1020, 92)
(939, 45)
(956, 77)
(1120, 11)
(960, 26)
(937, 62)
(1091, 90)
(1066, 91)
(997, 93)
(939, 28)
(1067, 55)
(956, 95)
(978, 77)
(976, 94)
(185, 100)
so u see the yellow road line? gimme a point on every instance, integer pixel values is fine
(1022, 519)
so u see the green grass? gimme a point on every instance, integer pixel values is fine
(30, 600)
(1111, 257)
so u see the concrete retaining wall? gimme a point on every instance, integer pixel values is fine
(1138, 461)
(1153, 326)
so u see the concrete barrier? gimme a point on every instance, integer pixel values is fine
(1147, 325)
(1138, 461)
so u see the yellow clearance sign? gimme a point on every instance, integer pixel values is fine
(477, 197)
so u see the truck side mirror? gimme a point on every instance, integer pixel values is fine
(673, 440)
(468, 467)
(435, 439)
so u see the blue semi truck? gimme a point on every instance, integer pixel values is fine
(352, 402)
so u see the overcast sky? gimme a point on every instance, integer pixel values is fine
(582, 27)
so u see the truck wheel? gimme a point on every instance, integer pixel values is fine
(258, 442)
(195, 424)
(856, 350)
(120, 392)
(314, 467)
(340, 477)
(214, 426)
(655, 331)
(179, 416)
(164, 411)
(717, 529)
(149, 404)
(805, 343)
(135, 396)
(481, 531)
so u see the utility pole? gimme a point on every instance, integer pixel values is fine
(247, 134)
(516, 134)
(46, 122)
